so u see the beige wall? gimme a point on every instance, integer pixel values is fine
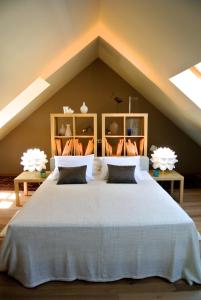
(97, 85)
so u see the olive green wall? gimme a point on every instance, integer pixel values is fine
(97, 85)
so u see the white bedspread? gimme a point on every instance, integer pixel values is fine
(101, 232)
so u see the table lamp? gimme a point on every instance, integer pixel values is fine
(164, 158)
(34, 160)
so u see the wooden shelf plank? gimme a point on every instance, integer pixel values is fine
(114, 136)
(84, 136)
(60, 115)
(126, 136)
(73, 136)
(134, 136)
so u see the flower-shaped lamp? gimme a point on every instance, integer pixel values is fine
(164, 159)
(34, 160)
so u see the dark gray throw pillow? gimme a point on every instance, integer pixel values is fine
(72, 175)
(121, 174)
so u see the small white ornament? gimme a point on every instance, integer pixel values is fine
(67, 110)
(84, 108)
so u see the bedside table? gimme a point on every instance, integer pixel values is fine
(24, 178)
(171, 176)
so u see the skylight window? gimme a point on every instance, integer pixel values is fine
(189, 82)
(198, 67)
(197, 70)
(22, 100)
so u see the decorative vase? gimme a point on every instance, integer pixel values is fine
(130, 126)
(114, 128)
(136, 127)
(84, 108)
(62, 130)
(68, 130)
(155, 172)
(43, 173)
(129, 131)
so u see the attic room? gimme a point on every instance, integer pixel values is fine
(100, 92)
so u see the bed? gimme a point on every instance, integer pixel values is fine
(101, 232)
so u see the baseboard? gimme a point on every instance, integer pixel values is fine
(9, 174)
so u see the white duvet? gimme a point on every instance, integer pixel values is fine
(101, 232)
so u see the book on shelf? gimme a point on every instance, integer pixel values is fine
(73, 147)
(58, 143)
(90, 147)
(141, 146)
(131, 148)
(68, 148)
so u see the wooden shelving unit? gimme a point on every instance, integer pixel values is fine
(78, 124)
(131, 130)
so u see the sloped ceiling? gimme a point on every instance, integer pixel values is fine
(33, 34)
(145, 42)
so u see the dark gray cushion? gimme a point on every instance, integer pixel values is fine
(121, 174)
(72, 175)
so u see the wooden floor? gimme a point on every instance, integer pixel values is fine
(127, 289)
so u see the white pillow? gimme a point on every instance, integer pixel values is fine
(74, 161)
(97, 165)
(119, 161)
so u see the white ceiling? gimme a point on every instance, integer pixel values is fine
(145, 42)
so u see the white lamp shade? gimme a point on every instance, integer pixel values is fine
(164, 159)
(34, 160)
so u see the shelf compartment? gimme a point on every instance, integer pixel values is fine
(77, 122)
(62, 122)
(132, 127)
(134, 146)
(114, 125)
(74, 146)
(114, 146)
(84, 126)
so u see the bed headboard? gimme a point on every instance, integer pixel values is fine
(144, 163)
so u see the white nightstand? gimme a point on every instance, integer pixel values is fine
(24, 178)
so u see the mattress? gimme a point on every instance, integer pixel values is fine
(101, 232)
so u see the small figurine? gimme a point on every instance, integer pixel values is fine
(67, 110)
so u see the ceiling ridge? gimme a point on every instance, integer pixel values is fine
(120, 41)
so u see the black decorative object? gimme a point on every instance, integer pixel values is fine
(118, 101)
